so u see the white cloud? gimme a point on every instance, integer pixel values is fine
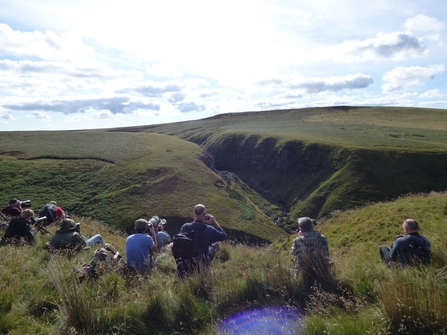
(423, 23)
(394, 46)
(435, 93)
(6, 115)
(42, 116)
(301, 84)
(403, 77)
(164, 70)
(102, 114)
(45, 46)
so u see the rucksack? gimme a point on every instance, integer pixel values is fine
(418, 250)
(49, 210)
(187, 252)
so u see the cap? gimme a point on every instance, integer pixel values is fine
(141, 224)
(12, 201)
(162, 222)
(68, 223)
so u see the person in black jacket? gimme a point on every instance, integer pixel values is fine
(19, 228)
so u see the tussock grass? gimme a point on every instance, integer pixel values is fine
(41, 294)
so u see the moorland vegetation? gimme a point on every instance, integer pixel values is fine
(42, 294)
(256, 172)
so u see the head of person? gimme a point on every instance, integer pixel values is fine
(67, 224)
(53, 203)
(161, 224)
(141, 225)
(27, 214)
(410, 226)
(199, 212)
(305, 224)
(13, 202)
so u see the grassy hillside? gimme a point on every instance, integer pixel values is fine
(314, 161)
(40, 293)
(266, 165)
(119, 177)
(409, 129)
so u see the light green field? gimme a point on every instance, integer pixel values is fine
(418, 129)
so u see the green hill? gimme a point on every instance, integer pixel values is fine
(248, 168)
(41, 294)
(119, 177)
(314, 161)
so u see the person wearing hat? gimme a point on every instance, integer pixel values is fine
(20, 228)
(140, 244)
(163, 238)
(14, 208)
(69, 236)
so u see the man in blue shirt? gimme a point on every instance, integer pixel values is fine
(139, 245)
(210, 232)
(408, 248)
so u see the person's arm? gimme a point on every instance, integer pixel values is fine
(219, 233)
(154, 238)
(398, 245)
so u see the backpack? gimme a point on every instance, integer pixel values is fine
(49, 210)
(187, 252)
(419, 251)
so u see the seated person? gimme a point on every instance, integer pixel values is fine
(53, 212)
(69, 236)
(310, 247)
(139, 245)
(407, 248)
(14, 208)
(19, 228)
(163, 238)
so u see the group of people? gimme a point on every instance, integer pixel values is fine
(311, 246)
(68, 236)
(150, 237)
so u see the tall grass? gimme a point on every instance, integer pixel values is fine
(414, 300)
(41, 294)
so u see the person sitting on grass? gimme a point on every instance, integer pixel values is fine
(411, 248)
(163, 238)
(19, 228)
(312, 256)
(309, 243)
(14, 208)
(139, 246)
(69, 236)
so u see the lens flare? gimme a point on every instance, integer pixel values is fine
(263, 321)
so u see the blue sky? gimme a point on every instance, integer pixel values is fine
(95, 64)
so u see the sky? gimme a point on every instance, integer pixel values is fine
(88, 64)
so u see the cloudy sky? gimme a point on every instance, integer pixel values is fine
(109, 63)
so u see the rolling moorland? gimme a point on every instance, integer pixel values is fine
(250, 169)
(350, 167)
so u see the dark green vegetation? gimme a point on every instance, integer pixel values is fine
(313, 161)
(40, 293)
(119, 177)
(248, 168)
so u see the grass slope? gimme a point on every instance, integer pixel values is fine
(119, 177)
(314, 161)
(40, 293)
